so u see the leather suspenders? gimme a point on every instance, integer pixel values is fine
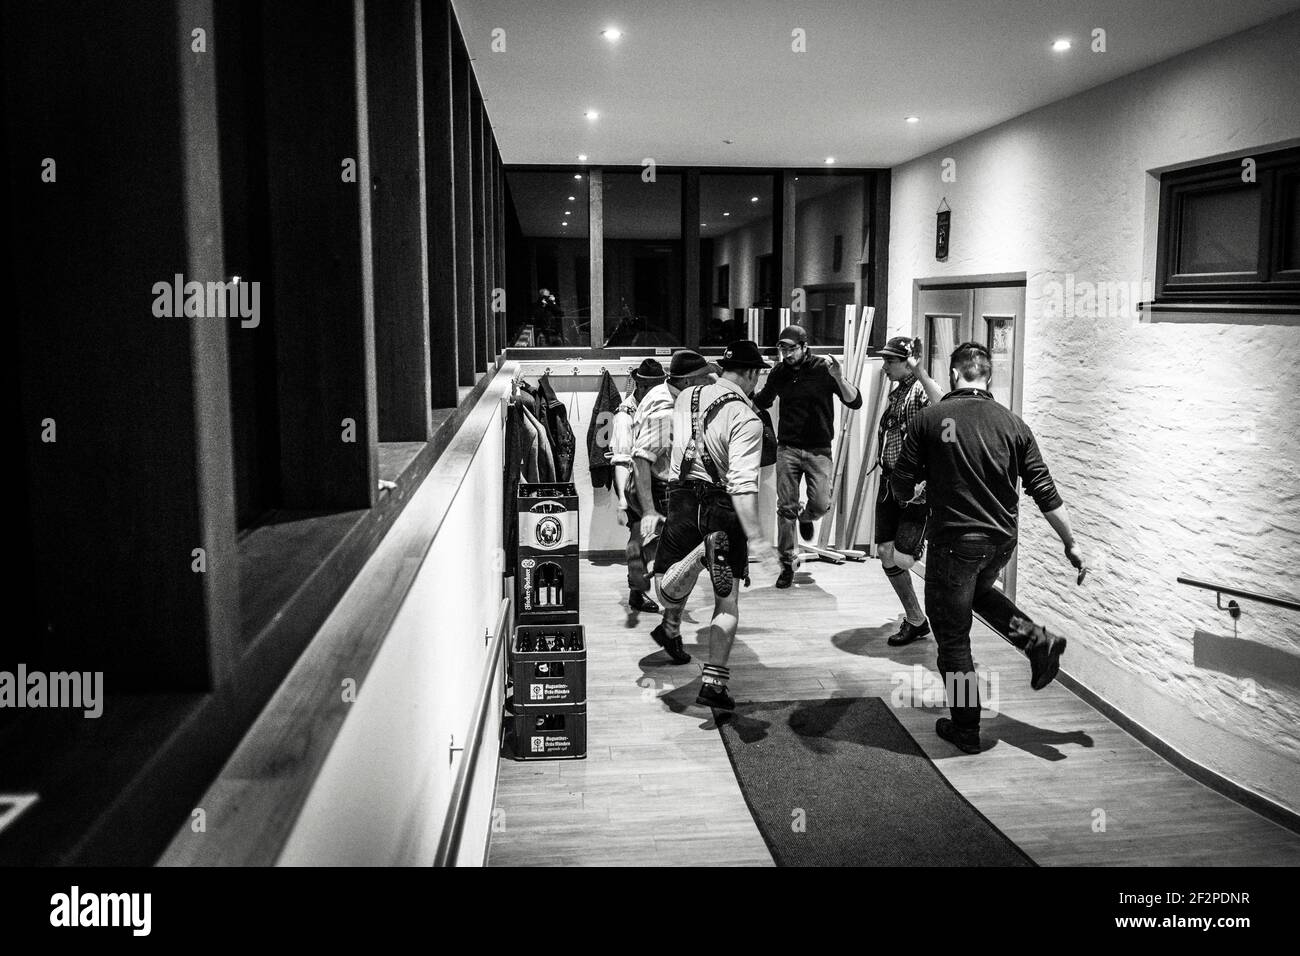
(697, 446)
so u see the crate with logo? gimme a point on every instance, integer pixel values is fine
(546, 579)
(548, 666)
(553, 733)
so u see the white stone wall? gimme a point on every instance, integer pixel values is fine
(1175, 445)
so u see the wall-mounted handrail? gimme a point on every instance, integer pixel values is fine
(1289, 603)
(454, 825)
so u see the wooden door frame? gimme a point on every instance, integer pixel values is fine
(973, 282)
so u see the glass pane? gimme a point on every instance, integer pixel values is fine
(643, 260)
(735, 254)
(548, 301)
(828, 245)
(942, 341)
(1220, 231)
(1002, 346)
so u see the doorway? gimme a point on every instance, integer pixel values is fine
(987, 309)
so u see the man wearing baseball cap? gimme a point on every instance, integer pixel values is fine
(652, 443)
(913, 391)
(805, 383)
(713, 522)
(644, 377)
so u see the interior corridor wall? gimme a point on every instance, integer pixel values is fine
(1175, 445)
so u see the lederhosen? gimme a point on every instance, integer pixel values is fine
(697, 507)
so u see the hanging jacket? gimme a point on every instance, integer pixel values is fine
(545, 456)
(562, 441)
(598, 431)
(521, 442)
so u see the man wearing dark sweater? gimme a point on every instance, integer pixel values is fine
(973, 453)
(805, 383)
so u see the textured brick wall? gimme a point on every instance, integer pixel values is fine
(1175, 445)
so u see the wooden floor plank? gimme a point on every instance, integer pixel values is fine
(658, 788)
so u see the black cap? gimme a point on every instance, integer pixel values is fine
(900, 347)
(649, 371)
(742, 354)
(687, 363)
(795, 334)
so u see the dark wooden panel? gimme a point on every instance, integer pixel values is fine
(319, 235)
(401, 318)
(140, 473)
(876, 278)
(482, 290)
(500, 232)
(462, 152)
(489, 237)
(691, 256)
(440, 214)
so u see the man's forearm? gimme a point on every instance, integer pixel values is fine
(932, 390)
(644, 491)
(1059, 519)
(747, 511)
(848, 393)
(622, 473)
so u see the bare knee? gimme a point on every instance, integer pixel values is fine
(904, 560)
(886, 553)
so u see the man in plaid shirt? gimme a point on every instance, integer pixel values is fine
(913, 391)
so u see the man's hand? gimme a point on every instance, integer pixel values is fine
(650, 525)
(914, 355)
(1076, 558)
(620, 514)
(834, 368)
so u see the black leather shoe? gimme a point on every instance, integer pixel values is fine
(1044, 651)
(715, 562)
(715, 695)
(672, 645)
(637, 601)
(786, 577)
(908, 633)
(806, 530)
(966, 741)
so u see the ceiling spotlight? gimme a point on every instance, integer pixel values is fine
(582, 157)
(830, 160)
(753, 199)
(611, 34)
(1060, 46)
(564, 224)
(704, 224)
(571, 199)
(577, 175)
(913, 119)
(568, 212)
(592, 115)
(726, 214)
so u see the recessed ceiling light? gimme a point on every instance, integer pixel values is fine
(577, 175)
(913, 119)
(592, 115)
(564, 224)
(582, 157)
(753, 199)
(611, 34)
(704, 224)
(568, 212)
(726, 214)
(571, 199)
(1060, 46)
(830, 160)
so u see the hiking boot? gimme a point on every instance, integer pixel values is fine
(967, 741)
(638, 601)
(908, 633)
(672, 645)
(786, 577)
(715, 695)
(806, 530)
(715, 562)
(1043, 650)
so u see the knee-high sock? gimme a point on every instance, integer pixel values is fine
(902, 582)
(679, 580)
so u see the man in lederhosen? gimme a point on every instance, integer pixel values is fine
(713, 522)
(622, 438)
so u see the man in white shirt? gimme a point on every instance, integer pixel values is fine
(713, 522)
(645, 378)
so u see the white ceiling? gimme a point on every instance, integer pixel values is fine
(688, 74)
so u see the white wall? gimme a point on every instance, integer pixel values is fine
(1175, 445)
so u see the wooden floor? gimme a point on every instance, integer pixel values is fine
(657, 787)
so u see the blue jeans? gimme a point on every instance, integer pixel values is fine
(959, 580)
(813, 465)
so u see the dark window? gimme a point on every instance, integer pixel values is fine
(722, 297)
(1230, 237)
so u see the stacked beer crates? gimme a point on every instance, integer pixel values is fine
(548, 652)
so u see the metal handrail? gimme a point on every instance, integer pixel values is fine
(454, 825)
(1288, 603)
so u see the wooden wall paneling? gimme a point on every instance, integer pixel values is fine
(397, 213)
(482, 325)
(462, 152)
(319, 169)
(876, 269)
